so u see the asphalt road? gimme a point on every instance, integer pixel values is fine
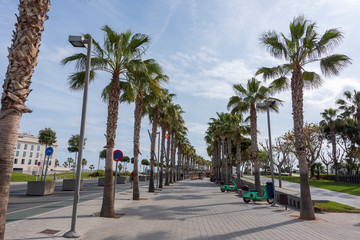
(22, 206)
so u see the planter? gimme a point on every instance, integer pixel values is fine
(121, 180)
(69, 184)
(40, 188)
(101, 181)
(142, 178)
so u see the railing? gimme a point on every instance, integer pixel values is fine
(344, 178)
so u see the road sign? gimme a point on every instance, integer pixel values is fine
(49, 151)
(117, 155)
(39, 163)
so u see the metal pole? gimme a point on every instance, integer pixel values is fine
(115, 181)
(271, 159)
(72, 233)
(158, 161)
(47, 166)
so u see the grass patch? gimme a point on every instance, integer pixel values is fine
(21, 177)
(336, 207)
(343, 187)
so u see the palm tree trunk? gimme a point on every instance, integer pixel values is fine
(22, 57)
(333, 143)
(179, 163)
(152, 152)
(297, 85)
(173, 155)
(229, 159)
(279, 170)
(167, 159)
(137, 127)
(163, 132)
(254, 146)
(238, 159)
(107, 207)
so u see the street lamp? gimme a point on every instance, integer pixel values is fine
(80, 41)
(269, 105)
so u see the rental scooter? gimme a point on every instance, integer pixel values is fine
(249, 195)
(227, 187)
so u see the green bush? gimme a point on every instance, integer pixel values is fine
(126, 173)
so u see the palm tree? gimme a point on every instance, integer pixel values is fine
(330, 121)
(304, 45)
(245, 100)
(351, 106)
(153, 102)
(143, 81)
(23, 55)
(83, 163)
(91, 167)
(120, 53)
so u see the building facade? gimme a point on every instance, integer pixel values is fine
(29, 152)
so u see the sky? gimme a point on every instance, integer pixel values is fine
(204, 46)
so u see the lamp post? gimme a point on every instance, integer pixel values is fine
(269, 105)
(80, 41)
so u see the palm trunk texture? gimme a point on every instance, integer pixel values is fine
(23, 55)
(137, 127)
(297, 85)
(238, 159)
(254, 146)
(152, 152)
(107, 208)
(167, 159)
(163, 132)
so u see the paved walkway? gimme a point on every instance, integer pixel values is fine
(191, 209)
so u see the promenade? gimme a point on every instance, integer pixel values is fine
(190, 209)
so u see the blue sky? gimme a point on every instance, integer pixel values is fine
(204, 47)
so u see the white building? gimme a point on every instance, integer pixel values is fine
(29, 152)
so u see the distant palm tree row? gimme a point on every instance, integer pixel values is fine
(136, 80)
(301, 47)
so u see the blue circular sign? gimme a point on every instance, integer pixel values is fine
(117, 155)
(49, 151)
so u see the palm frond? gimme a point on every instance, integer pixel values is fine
(330, 39)
(77, 80)
(271, 41)
(331, 65)
(278, 85)
(312, 80)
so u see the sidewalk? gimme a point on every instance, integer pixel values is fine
(191, 209)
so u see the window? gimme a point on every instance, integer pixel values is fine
(32, 147)
(29, 162)
(30, 154)
(22, 161)
(17, 153)
(25, 146)
(24, 154)
(49, 163)
(37, 155)
(38, 148)
(16, 160)
(18, 146)
(36, 161)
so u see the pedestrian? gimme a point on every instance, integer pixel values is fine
(132, 178)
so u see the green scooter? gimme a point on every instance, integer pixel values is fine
(249, 195)
(227, 187)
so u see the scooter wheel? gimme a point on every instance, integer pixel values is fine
(270, 200)
(223, 190)
(246, 200)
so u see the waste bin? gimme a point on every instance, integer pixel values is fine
(270, 189)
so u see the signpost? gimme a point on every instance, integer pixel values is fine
(49, 151)
(117, 156)
(37, 174)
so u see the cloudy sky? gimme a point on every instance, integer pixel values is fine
(204, 46)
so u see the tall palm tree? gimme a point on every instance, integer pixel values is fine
(23, 55)
(329, 121)
(120, 53)
(143, 81)
(245, 100)
(153, 103)
(303, 46)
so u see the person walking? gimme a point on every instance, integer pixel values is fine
(132, 178)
